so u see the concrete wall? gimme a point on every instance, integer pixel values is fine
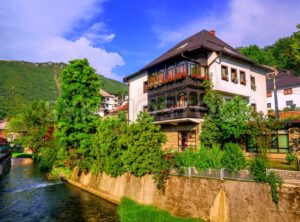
(210, 199)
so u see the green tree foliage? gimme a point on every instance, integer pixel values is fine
(24, 82)
(283, 54)
(144, 139)
(33, 124)
(233, 158)
(225, 121)
(76, 108)
(109, 146)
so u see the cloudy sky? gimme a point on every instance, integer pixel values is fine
(119, 37)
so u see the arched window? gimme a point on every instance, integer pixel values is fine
(181, 101)
(193, 99)
(171, 101)
(152, 105)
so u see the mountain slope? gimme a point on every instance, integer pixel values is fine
(23, 82)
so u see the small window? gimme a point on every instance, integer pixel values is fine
(145, 86)
(289, 103)
(269, 94)
(181, 101)
(145, 108)
(288, 91)
(234, 77)
(254, 107)
(269, 105)
(181, 71)
(243, 78)
(193, 99)
(253, 85)
(224, 73)
(171, 74)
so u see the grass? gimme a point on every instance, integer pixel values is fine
(58, 172)
(22, 155)
(282, 165)
(130, 211)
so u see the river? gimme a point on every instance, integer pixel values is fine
(27, 195)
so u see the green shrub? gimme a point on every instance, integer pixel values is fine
(290, 158)
(130, 211)
(233, 158)
(258, 169)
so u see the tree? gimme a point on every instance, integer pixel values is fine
(144, 139)
(296, 45)
(33, 124)
(76, 108)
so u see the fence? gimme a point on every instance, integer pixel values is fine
(242, 175)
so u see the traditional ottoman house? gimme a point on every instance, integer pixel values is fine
(170, 87)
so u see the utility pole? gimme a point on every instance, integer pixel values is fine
(275, 93)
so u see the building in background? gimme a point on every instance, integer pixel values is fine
(288, 91)
(109, 102)
(170, 87)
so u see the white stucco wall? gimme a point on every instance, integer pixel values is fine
(257, 96)
(137, 97)
(295, 97)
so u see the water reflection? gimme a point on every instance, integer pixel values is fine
(27, 195)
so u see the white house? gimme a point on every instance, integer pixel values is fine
(288, 91)
(109, 103)
(170, 87)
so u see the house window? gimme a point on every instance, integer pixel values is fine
(160, 76)
(254, 107)
(181, 102)
(224, 73)
(269, 105)
(145, 86)
(161, 104)
(193, 99)
(288, 91)
(186, 139)
(171, 101)
(234, 77)
(280, 142)
(269, 94)
(289, 103)
(253, 86)
(171, 74)
(181, 71)
(243, 78)
(145, 108)
(152, 105)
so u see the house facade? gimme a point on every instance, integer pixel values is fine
(109, 103)
(288, 91)
(171, 87)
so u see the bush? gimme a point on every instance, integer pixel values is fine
(258, 169)
(233, 158)
(290, 158)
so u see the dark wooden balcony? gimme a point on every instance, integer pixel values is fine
(179, 113)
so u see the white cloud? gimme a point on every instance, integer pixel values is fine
(34, 30)
(246, 22)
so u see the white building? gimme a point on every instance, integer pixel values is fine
(109, 103)
(170, 87)
(288, 91)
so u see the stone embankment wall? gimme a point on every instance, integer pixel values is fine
(209, 199)
(5, 163)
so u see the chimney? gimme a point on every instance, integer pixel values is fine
(213, 32)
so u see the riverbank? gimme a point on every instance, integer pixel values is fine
(203, 198)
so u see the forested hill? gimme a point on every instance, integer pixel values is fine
(23, 82)
(283, 54)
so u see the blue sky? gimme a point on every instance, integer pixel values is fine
(119, 37)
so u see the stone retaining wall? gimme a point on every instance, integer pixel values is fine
(5, 163)
(209, 199)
